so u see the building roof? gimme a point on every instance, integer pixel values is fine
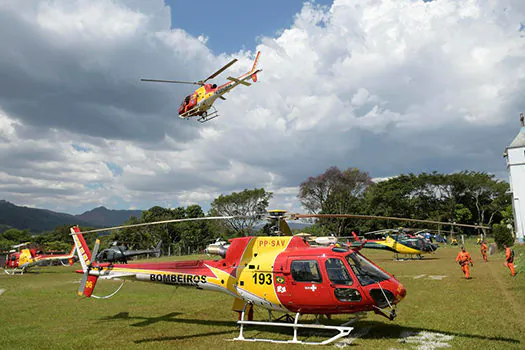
(519, 140)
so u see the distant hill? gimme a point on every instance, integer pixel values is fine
(102, 216)
(40, 220)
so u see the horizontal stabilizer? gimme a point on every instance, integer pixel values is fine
(239, 81)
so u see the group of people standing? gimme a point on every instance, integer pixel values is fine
(465, 260)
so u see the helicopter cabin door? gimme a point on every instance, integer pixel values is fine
(307, 285)
(345, 288)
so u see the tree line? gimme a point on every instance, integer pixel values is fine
(466, 197)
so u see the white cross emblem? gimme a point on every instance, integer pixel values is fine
(313, 287)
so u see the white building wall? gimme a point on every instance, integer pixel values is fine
(516, 166)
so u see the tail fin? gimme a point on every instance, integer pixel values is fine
(84, 254)
(157, 249)
(254, 72)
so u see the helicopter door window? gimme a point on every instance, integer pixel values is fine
(366, 272)
(337, 272)
(306, 271)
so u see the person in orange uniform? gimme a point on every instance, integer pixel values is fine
(484, 249)
(464, 259)
(509, 260)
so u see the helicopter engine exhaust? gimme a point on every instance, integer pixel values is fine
(214, 249)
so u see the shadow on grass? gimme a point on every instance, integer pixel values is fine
(148, 340)
(378, 330)
(171, 317)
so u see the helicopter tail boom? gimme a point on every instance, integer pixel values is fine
(84, 254)
(253, 71)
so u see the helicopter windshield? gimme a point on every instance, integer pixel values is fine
(366, 272)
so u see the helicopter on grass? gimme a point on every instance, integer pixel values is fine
(25, 258)
(201, 100)
(401, 243)
(120, 253)
(280, 273)
(293, 275)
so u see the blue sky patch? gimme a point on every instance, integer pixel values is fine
(115, 169)
(94, 185)
(81, 148)
(234, 25)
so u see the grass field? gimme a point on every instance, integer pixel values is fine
(442, 309)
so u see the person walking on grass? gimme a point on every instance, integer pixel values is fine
(464, 259)
(484, 249)
(509, 260)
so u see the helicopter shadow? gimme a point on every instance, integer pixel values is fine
(144, 321)
(378, 330)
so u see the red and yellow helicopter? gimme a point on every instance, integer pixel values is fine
(20, 261)
(201, 100)
(279, 273)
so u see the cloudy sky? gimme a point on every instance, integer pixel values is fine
(388, 86)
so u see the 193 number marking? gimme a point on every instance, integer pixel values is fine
(262, 278)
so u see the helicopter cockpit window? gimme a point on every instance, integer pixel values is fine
(337, 272)
(306, 271)
(365, 272)
(13, 257)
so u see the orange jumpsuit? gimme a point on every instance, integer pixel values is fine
(464, 259)
(484, 249)
(509, 261)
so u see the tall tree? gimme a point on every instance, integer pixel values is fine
(314, 192)
(334, 192)
(251, 204)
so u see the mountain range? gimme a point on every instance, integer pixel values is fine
(41, 220)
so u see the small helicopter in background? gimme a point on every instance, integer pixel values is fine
(120, 253)
(401, 243)
(20, 261)
(201, 100)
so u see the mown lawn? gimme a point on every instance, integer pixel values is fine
(41, 310)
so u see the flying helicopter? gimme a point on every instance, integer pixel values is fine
(280, 273)
(25, 258)
(121, 253)
(201, 100)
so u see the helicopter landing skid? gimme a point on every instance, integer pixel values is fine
(408, 257)
(343, 331)
(208, 116)
(14, 271)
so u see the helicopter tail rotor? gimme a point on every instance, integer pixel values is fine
(87, 284)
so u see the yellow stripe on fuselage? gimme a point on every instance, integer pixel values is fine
(259, 258)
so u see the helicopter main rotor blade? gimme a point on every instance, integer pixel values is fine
(164, 222)
(95, 250)
(220, 70)
(172, 81)
(356, 216)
